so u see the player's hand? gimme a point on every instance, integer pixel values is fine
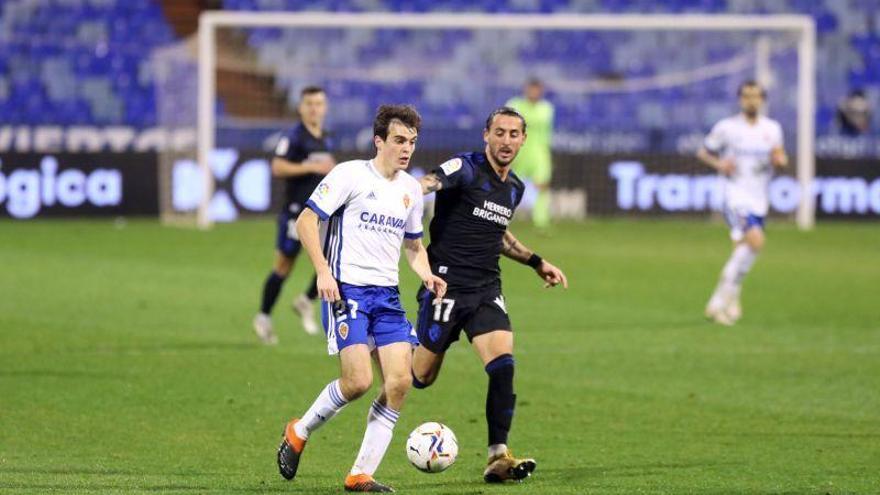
(778, 158)
(552, 276)
(322, 166)
(328, 290)
(436, 285)
(727, 167)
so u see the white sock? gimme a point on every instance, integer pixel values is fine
(497, 449)
(380, 427)
(732, 275)
(329, 402)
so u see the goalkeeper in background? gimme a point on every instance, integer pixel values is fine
(535, 161)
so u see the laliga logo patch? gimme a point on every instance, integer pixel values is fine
(323, 189)
(406, 200)
(451, 166)
(343, 330)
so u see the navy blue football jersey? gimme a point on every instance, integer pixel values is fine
(471, 215)
(296, 145)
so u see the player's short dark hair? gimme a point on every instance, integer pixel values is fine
(509, 111)
(751, 83)
(386, 114)
(310, 90)
(534, 81)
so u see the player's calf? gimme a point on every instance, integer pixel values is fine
(500, 401)
(425, 367)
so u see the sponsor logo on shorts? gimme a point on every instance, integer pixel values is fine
(434, 332)
(343, 330)
(500, 302)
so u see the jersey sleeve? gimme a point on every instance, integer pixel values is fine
(455, 172)
(519, 192)
(413, 228)
(286, 146)
(778, 138)
(716, 140)
(333, 191)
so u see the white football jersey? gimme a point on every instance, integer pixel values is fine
(749, 145)
(367, 217)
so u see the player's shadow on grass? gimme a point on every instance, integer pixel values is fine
(626, 470)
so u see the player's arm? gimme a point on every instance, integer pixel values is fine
(778, 157)
(512, 248)
(430, 183)
(450, 174)
(711, 150)
(417, 256)
(724, 166)
(284, 168)
(309, 236)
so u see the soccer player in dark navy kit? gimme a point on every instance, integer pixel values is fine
(302, 159)
(476, 197)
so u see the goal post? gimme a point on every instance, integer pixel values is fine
(802, 28)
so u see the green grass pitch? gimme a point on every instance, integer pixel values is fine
(128, 365)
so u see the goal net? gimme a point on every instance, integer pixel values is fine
(633, 96)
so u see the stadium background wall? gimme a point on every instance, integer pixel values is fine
(77, 184)
(112, 184)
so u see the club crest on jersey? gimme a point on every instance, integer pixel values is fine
(343, 330)
(451, 166)
(406, 201)
(322, 190)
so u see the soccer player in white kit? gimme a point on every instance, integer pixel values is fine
(744, 149)
(370, 208)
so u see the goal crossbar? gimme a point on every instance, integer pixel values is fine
(799, 25)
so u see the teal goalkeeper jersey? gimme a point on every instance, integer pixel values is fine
(539, 121)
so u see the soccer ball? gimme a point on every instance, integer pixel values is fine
(432, 447)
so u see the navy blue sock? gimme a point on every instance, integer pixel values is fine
(312, 293)
(416, 383)
(500, 399)
(271, 289)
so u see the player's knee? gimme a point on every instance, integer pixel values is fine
(283, 267)
(501, 366)
(421, 381)
(755, 240)
(397, 386)
(356, 385)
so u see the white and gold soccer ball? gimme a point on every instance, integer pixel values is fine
(432, 447)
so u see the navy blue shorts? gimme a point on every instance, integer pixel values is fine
(474, 312)
(287, 241)
(368, 315)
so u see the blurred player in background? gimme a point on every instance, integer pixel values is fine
(372, 207)
(535, 161)
(476, 197)
(744, 149)
(302, 159)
